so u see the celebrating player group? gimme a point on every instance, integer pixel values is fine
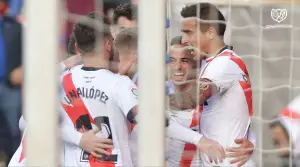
(208, 115)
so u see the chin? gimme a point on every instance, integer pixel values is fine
(179, 82)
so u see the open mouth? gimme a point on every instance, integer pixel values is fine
(178, 73)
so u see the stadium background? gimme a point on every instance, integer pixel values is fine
(271, 54)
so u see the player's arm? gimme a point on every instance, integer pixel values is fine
(69, 63)
(219, 76)
(88, 141)
(188, 100)
(211, 148)
(125, 96)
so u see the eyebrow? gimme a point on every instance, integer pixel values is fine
(186, 31)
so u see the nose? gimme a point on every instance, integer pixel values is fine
(184, 39)
(178, 65)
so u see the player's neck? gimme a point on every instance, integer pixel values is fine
(91, 60)
(215, 48)
(184, 87)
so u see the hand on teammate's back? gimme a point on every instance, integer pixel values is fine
(214, 151)
(94, 144)
(242, 153)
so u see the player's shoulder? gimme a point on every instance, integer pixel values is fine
(295, 104)
(225, 61)
(124, 80)
(71, 70)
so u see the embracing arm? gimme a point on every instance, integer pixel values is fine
(196, 95)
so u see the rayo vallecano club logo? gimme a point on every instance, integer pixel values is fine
(279, 15)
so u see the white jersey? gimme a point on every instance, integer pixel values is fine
(226, 115)
(290, 119)
(179, 153)
(175, 131)
(98, 97)
(18, 158)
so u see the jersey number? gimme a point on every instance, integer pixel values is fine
(83, 124)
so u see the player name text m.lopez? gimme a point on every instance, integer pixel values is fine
(87, 93)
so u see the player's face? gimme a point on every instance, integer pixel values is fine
(280, 140)
(122, 23)
(182, 67)
(191, 34)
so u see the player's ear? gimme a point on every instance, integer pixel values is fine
(211, 33)
(77, 49)
(107, 45)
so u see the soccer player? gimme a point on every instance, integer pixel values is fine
(181, 62)
(126, 44)
(224, 86)
(87, 141)
(124, 17)
(94, 96)
(288, 128)
(118, 92)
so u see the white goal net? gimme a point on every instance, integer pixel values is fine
(270, 47)
(270, 50)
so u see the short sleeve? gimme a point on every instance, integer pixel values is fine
(125, 94)
(223, 72)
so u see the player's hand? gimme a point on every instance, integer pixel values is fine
(181, 101)
(214, 151)
(198, 55)
(242, 153)
(72, 61)
(94, 144)
(124, 68)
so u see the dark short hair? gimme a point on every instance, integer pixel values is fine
(176, 40)
(86, 35)
(71, 45)
(207, 12)
(127, 10)
(126, 40)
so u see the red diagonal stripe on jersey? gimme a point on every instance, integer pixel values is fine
(238, 61)
(287, 112)
(94, 162)
(248, 95)
(188, 154)
(190, 150)
(22, 155)
(77, 109)
(246, 85)
(195, 119)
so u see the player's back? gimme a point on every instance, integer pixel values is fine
(180, 153)
(227, 114)
(91, 98)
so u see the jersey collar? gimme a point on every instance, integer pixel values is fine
(219, 52)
